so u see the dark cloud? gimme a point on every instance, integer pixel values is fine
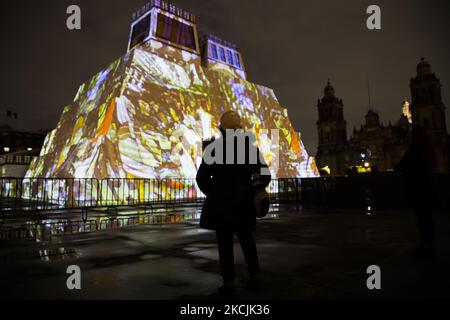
(291, 46)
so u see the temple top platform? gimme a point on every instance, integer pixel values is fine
(165, 23)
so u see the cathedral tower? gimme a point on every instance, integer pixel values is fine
(428, 110)
(332, 130)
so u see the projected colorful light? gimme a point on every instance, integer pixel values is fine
(146, 115)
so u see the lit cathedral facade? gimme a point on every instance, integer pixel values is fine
(380, 146)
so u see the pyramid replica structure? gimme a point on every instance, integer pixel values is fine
(147, 114)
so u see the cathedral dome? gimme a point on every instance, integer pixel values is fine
(423, 68)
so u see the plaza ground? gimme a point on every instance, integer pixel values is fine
(317, 253)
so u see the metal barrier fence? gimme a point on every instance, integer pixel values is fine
(378, 191)
(44, 194)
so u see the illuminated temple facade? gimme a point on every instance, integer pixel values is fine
(146, 115)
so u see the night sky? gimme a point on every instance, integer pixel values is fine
(290, 46)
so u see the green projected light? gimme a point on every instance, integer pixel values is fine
(147, 114)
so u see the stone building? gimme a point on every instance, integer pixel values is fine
(333, 154)
(17, 149)
(428, 110)
(380, 146)
(13, 140)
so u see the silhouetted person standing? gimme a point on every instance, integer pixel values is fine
(228, 184)
(417, 167)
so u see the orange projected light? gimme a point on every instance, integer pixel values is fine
(147, 114)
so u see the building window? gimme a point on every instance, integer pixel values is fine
(237, 60)
(175, 31)
(230, 57)
(222, 54)
(140, 32)
(214, 51)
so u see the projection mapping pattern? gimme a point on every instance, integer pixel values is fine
(147, 114)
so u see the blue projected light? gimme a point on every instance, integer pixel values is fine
(237, 61)
(222, 54)
(230, 57)
(214, 51)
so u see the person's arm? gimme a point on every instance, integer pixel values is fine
(204, 178)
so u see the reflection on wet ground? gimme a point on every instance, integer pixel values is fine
(44, 230)
(44, 227)
(314, 254)
(57, 254)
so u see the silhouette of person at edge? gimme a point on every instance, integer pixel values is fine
(229, 206)
(417, 166)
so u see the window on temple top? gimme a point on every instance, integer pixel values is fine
(222, 54)
(140, 32)
(237, 60)
(230, 57)
(175, 31)
(214, 51)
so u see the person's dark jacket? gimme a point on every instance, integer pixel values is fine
(417, 166)
(229, 191)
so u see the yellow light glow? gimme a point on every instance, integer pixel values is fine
(149, 123)
(406, 111)
(361, 169)
(326, 169)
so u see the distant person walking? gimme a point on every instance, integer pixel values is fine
(229, 187)
(417, 167)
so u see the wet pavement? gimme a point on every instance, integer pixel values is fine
(311, 254)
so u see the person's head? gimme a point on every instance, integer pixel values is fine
(230, 121)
